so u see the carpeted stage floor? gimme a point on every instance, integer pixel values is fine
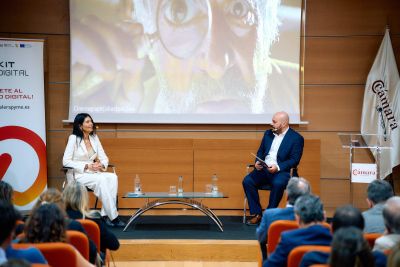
(186, 227)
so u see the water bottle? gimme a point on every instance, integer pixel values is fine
(138, 187)
(180, 185)
(214, 182)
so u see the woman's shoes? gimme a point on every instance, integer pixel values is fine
(117, 222)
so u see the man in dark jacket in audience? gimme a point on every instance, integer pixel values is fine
(296, 188)
(309, 213)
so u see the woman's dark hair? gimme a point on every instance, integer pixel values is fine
(6, 192)
(349, 248)
(46, 224)
(78, 121)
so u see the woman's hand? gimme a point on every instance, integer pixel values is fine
(97, 166)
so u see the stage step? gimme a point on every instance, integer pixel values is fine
(185, 250)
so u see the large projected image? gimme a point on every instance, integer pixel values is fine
(185, 61)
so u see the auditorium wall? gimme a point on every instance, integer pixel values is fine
(339, 45)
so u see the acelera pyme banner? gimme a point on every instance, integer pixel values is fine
(22, 120)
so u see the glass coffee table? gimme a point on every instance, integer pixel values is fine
(188, 199)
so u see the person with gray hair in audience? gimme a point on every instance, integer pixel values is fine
(378, 192)
(310, 215)
(391, 216)
(296, 187)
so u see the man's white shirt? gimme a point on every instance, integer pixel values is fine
(271, 158)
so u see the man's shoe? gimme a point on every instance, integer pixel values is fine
(118, 222)
(255, 220)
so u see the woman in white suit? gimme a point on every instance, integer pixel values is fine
(85, 154)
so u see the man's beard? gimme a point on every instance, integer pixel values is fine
(207, 95)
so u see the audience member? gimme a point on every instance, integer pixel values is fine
(7, 224)
(349, 248)
(309, 214)
(391, 216)
(76, 201)
(296, 188)
(345, 216)
(47, 224)
(377, 193)
(6, 192)
(8, 218)
(53, 195)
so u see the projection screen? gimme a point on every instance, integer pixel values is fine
(185, 61)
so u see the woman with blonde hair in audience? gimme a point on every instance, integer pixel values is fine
(77, 201)
(53, 195)
(47, 224)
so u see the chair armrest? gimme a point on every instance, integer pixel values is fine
(248, 166)
(65, 169)
(292, 170)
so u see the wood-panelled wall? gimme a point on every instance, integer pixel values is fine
(160, 161)
(341, 41)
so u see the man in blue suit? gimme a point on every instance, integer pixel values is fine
(282, 149)
(296, 188)
(309, 213)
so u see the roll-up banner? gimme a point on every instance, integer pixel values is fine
(23, 161)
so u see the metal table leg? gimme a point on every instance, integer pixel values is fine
(183, 201)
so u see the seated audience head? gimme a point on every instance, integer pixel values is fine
(76, 198)
(46, 224)
(308, 209)
(391, 215)
(8, 219)
(6, 192)
(51, 195)
(349, 248)
(378, 191)
(297, 187)
(346, 216)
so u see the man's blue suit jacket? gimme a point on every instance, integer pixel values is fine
(270, 216)
(312, 235)
(290, 150)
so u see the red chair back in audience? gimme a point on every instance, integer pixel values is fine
(56, 253)
(297, 253)
(275, 230)
(92, 230)
(371, 237)
(80, 241)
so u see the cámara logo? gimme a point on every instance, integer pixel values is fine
(384, 108)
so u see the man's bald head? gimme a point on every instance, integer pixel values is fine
(280, 122)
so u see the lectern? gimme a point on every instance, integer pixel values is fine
(375, 142)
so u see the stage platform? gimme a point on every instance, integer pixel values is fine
(187, 238)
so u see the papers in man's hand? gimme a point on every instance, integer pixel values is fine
(260, 160)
